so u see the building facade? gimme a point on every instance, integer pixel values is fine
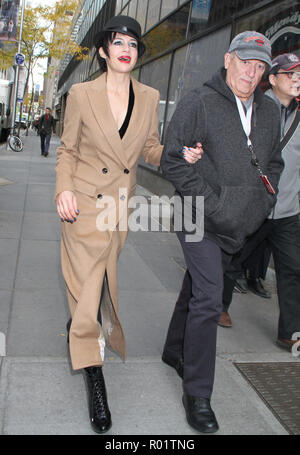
(185, 39)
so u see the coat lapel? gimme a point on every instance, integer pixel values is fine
(100, 106)
(137, 117)
(99, 103)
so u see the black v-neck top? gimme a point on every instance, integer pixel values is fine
(124, 127)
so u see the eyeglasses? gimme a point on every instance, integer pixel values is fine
(291, 74)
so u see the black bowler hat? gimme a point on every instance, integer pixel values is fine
(122, 24)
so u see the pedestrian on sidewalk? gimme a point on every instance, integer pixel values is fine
(109, 122)
(46, 127)
(249, 276)
(239, 130)
(282, 228)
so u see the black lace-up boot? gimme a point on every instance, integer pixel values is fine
(98, 406)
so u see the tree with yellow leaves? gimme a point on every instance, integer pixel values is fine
(46, 34)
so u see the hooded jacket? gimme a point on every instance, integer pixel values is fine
(289, 184)
(236, 201)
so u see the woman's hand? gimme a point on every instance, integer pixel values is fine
(67, 206)
(192, 155)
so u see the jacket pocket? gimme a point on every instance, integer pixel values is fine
(241, 211)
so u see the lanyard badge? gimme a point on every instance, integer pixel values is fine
(246, 122)
(267, 184)
(263, 177)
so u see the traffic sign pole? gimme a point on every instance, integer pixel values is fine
(17, 67)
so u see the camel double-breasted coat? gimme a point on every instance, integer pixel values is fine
(95, 163)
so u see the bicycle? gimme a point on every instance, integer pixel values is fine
(14, 140)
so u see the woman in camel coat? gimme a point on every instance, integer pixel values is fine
(109, 122)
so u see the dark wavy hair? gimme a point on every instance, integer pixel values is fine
(107, 39)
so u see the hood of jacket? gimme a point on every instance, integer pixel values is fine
(219, 84)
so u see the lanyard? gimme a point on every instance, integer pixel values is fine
(245, 118)
(246, 122)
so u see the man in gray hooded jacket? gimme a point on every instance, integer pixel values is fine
(238, 177)
(282, 229)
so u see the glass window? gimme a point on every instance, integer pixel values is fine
(167, 6)
(118, 6)
(125, 11)
(153, 13)
(166, 35)
(195, 64)
(141, 13)
(205, 56)
(280, 23)
(176, 83)
(156, 74)
(200, 15)
(136, 73)
(206, 13)
(132, 8)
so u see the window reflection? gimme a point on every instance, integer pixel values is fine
(141, 13)
(153, 13)
(167, 7)
(156, 74)
(136, 73)
(118, 6)
(176, 84)
(206, 13)
(280, 23)
(125, 11)
(195, 64)
(205, 56)
(132, 8)
(200, 15)
(166, 35)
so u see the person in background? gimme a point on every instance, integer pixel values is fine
(251, 273)
(46, 127)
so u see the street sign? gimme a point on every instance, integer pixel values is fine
(19, 59)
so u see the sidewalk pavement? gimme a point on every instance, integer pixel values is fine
(39, 392)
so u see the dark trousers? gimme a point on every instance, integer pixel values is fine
(45, 142)
(283, 238)
(192, 332)
(257, 263)
(255, 266)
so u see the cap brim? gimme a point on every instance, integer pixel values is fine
(250, 55)
(285, 67)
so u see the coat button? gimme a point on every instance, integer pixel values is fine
(104, 170)
(126, 171)
(99, 196)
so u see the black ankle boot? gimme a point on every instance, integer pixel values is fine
(98, 406)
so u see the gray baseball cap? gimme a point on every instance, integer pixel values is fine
(251, 45)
